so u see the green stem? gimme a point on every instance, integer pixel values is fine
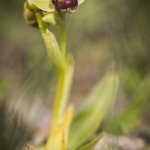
(62, 35)
(65, 75)
(63, 91)
(41, 24)
(58, 96)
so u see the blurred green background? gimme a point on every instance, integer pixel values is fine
(102, 34)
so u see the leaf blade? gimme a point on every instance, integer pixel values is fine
(87, 121)
(59, 136)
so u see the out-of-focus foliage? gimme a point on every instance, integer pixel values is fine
(3, 88)
(125, 122)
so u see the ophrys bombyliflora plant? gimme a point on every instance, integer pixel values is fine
(66, 131)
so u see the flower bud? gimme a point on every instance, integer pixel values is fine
(29, 15)
(66, 6)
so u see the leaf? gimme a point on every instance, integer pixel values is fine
(50, 43)
(87, 121)
(91, 144)
(53, 49)
(44, 5)
(58, 138)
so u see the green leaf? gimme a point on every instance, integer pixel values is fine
(88, 120)
(91, 144)
(50, 43)
(59, 137)
(44, 5)
(53, 49)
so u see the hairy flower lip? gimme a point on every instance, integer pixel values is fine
(66, 6)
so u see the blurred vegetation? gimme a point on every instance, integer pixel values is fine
(101, 35)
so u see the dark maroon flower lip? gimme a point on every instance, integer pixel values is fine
(66, 6)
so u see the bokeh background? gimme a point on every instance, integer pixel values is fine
(102, 34)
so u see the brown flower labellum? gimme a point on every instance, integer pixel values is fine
(66, 6)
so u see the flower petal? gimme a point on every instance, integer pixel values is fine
(80, 2)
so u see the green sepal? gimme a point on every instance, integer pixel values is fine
(59, 135)
(44, 5)
(53, 19)
(29, 15)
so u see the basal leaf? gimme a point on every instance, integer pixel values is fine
(87, 121)
(59, 136)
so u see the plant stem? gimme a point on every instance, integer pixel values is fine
(58, 96)
(41, 24)
(65, 75)
(63, 91)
